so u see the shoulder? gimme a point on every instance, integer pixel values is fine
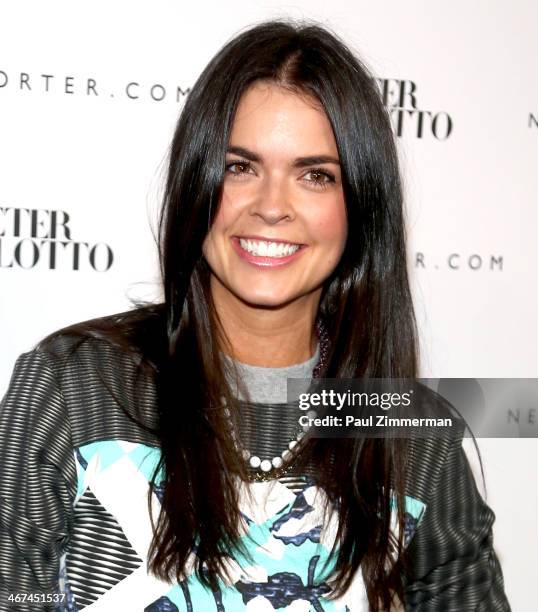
(99, 371)
(128, 329)
(116, 344)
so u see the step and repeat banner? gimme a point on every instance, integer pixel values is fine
(90, 92)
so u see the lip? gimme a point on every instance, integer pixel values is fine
(266, 239)
(264, 261)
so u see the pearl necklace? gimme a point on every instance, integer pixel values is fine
(277, 462)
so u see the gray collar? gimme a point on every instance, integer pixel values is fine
(268, 385)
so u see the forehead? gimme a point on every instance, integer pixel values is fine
(269, 115)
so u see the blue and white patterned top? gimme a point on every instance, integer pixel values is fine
(283, 531)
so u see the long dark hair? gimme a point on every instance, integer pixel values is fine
(365, 305)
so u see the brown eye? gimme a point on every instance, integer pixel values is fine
(242, 167)
(320, 178)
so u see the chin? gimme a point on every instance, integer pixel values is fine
(264, 300)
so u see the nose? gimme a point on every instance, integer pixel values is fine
(272, 202)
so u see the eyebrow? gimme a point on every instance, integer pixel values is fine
(299, 162)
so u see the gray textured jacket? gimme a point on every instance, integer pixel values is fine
(58, 404)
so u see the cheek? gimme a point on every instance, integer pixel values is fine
(210, 246)
(331, 225)
(227, 214)
(223, 219)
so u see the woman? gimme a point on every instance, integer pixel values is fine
(151, 460)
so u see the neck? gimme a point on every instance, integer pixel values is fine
(270, 337)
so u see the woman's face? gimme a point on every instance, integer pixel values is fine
(281, 226)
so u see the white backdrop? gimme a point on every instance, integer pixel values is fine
(89, 94)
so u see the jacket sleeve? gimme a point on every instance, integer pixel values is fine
(37, 484)
(454, 567)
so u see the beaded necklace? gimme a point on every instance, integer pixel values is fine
(268, 469)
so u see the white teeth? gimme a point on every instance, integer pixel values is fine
(261, 248)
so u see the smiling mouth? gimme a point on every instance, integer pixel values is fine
(265, 248)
